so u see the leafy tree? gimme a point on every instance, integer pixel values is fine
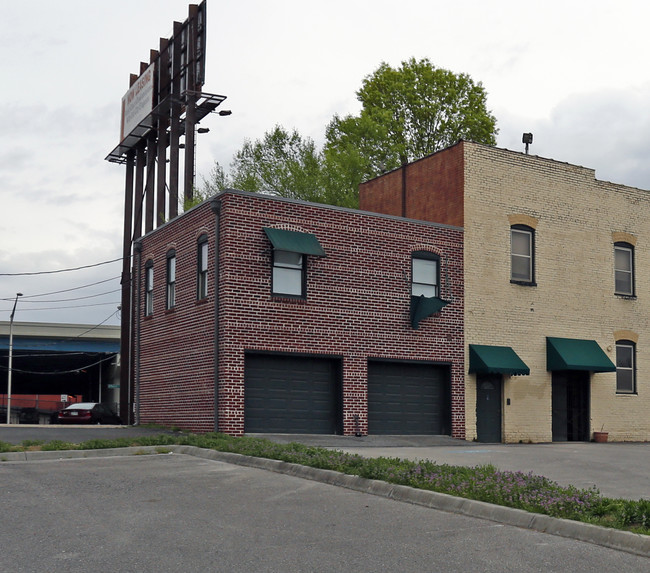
(281, 163)
(407, 113)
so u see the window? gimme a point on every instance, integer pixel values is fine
(171, 279)
(202, 268)
(425, 274)
(148, 288)
(522, 255)
(288, 274)
(624, 269)
(625, 367)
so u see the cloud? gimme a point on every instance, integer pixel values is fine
(604, 130)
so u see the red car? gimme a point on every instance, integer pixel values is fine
(88, 413)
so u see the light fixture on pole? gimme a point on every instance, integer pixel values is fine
(11, 351)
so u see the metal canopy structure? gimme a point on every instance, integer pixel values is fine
(164, 102)
(205, 104)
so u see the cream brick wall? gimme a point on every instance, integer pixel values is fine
(578, 218)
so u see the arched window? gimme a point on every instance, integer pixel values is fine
(148, 288)
(202, 267)
(425, 274)
(171, 279)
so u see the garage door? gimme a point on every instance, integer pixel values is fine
(407, 398)
(292, 395)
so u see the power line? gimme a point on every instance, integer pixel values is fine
(59, 270)
(66, 307)
(70, 299)
(56, 372)
(64, 290)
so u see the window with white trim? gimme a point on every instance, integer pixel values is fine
(288, 274)
(202, 268)
(624, 269)
(625, 367)
(425, 274)
(148, 288)
(522, 255)
(171, 280)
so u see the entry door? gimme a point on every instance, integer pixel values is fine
(570, 404)
(488, 407)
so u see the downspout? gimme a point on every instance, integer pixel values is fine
(216, 209)
(404, 164)
(137, 248)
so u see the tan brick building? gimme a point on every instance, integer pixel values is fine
(557, 282)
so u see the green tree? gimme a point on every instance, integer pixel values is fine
(281, 163)
(407, 113)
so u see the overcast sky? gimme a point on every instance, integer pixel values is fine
(574, 73)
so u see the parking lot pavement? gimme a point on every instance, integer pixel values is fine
(180, 513)
(18, 433)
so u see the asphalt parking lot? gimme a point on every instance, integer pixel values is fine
(175, 512)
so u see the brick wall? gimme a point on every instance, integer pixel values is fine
(578, 220)
(430, 189)
(357, 307)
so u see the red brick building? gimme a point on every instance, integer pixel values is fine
(261, 314)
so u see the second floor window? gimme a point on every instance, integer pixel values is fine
(148, 288)
(624, 269)
(425, 274)
(522, 255)
(288, 273)
(171, 279)
(202, 268)
(625, 367)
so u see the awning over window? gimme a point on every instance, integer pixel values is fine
(575, 354)
(423, 306)
(294, 241)
(495, 360)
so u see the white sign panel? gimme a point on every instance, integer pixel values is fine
(137, 103)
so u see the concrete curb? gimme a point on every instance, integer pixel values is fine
(612, 538)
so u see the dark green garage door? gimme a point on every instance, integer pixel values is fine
(407, 398)
(292, 395)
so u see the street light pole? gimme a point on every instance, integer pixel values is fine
(11, 351)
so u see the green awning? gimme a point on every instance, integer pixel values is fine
(495, 360)
(423, 306)
(294, 241)
(575, 354)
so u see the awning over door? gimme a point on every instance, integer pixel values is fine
(495, 360)
(294, 242)
(576, 354)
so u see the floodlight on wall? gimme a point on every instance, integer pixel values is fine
(224, 112)
(527, 139)
(203, 130)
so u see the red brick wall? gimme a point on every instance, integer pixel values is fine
(434, 189)
(357, 307)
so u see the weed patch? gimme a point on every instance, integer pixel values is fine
(519, 490)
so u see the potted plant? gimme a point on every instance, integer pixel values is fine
(601, 437)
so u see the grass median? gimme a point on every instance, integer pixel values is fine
(486, 483)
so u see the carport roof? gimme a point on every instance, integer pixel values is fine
(61, 345)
